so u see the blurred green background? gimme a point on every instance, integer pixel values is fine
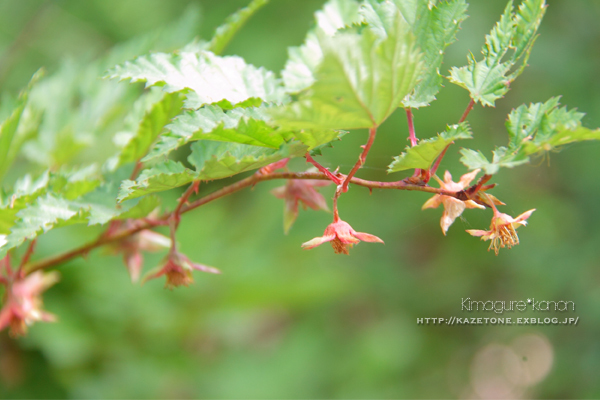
(281, 322)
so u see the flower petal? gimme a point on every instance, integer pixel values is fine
(311, 244)
(466, 179)
(367, 237)
(279, 192)
(433, 202)
(472, 204)
(478, 232)
(205, 268)
(521, 218)
(448, 177)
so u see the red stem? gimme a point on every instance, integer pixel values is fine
(136, 170)
(411, 128)
(27, 255)
(361, 159)
(467, 111)
(439, 159)
(175, 216)
(462, 119)
(324, 170)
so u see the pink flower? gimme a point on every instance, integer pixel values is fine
(178, 269)
(502, 231)
(23, 304)
(453, 207)
(133, 246)
(296, 191)
(342, 237)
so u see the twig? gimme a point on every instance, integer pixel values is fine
(27, 255)
(324, 170)
(361, 159)
(467, 111)
(411, 128)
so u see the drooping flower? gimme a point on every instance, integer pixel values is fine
(502, 231)
(178, 270)
(23, 303)
(132, 247)
(342, 237)
(453, 207)
(296, 191)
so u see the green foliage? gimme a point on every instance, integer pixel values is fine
(434, 27)
(161, 177)
(502, 158)
(239, 125)
(426, 151)
(214, 160)
(11, 138)
(508, 42)
(533, 129)
(361, 80)
(211, 79)
(150, 126)
(303, 61)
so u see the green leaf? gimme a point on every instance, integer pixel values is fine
(150, 127)
(508, 42)
(161, 177)
(502, 158)
(145, 206)
(214, 160)
(26, 190)
(434, 27)
(232, 25)
(76, 182)
(212, 79)
(10, 143)
(426, 151)
(303, 61)
(246, 126)
(360, 82)
(534, 127)
(101, 205)
(560, 138)
(45, 213)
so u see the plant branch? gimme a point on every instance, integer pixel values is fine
(411, 128)
(462, 119)
(361, 159)
(227, 190)
(467, 111)
(324, 170)
(27, 255)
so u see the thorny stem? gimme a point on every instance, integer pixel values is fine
(411, 127)
(361, 159)
(227, 190)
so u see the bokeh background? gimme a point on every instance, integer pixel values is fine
(281, 322)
